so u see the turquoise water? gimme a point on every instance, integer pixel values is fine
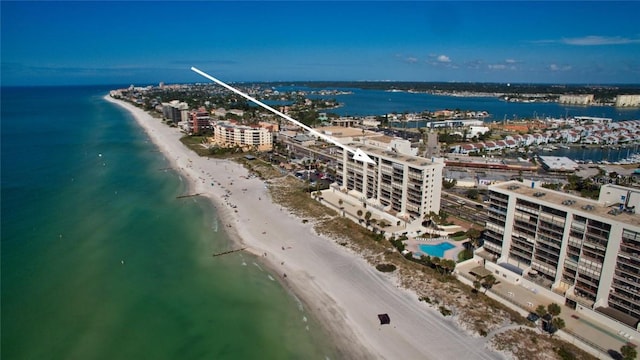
(436, 250)
(101, 261)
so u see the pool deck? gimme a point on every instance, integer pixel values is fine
(412, 245)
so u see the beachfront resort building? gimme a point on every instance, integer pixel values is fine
(175, 111)
(200, 120)
(405, 186)
(255, 137)
(579, 252)
(401, 184)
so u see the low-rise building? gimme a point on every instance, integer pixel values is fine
(231, 134)
(627, 100)
(583, 99)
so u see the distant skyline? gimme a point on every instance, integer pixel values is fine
(78, 43)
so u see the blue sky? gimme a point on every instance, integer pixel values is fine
(67, 43)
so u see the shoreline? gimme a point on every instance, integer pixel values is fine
(342, 291)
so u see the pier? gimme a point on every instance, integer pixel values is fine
(187, 196)
(227, 252)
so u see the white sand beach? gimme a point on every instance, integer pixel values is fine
(344, 292)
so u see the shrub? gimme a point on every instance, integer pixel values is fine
(385, 267)
(444, 311)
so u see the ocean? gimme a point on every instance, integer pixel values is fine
(101, 261)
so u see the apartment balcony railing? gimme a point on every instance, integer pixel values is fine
(630, 247)
(624, 305)
(624, 270)
(585, 290)
(571, 265)
(627, 295)
(493, 246)
(522, 245)
(520, 253)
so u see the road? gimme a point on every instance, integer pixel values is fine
(463, 208)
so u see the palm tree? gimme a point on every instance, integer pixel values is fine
(436, 262)
(477, 285)
(443, 217)
(541, 311)
(558, 324)
(449, 265)
(474, 237)
(488, 282)
(554, 309)
(367, 216)
(628, 352)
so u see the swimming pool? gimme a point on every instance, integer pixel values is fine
(436, 250)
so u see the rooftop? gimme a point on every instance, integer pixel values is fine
(564, 201)
(416, 161)
(559, 163)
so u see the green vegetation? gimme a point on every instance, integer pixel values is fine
(541, 310)
(488, 282)
(386, 267)
(554, 309)
(465, 254)
(444, 311)
(586, 187)
(472, 194)
(554, 186)
(628, 352)
(448, 184)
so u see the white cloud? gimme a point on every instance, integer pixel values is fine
(411, 60)
(593, 40)
(556, 67)
(444, 59)
(507, 64)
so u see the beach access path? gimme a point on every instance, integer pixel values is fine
(339, 287)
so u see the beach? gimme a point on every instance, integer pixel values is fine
(343, 291)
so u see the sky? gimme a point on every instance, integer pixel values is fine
(84, 43)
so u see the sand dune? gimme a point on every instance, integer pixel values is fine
(339, 287)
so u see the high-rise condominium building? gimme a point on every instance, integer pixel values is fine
(583, 252)
(406, 186)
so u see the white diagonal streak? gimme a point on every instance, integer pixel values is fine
(358, 154)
